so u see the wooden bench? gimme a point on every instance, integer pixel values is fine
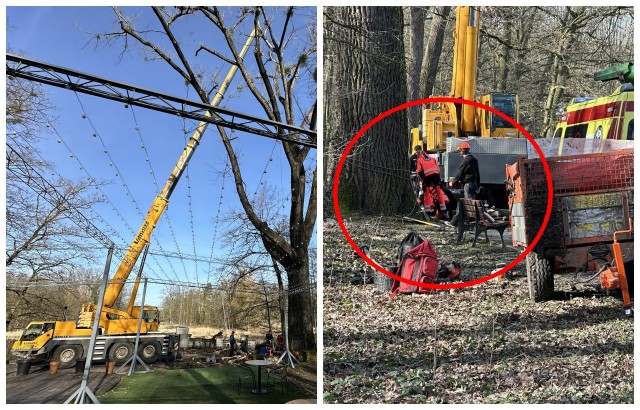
(473, 211)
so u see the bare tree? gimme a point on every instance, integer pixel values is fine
(547, 55)
(573, 22)
(248, 254)
(277, 83)
(43, 245)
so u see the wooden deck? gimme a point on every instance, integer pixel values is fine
(40, 387)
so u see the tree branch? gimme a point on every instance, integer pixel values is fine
(185, 63)
(128, 30)
(215, 53)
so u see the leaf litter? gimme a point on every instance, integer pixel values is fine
(483, 344)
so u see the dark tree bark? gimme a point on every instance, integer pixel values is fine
(431, 58)
(367, 77)
(504, 55)
(414, 45)
(559, 71)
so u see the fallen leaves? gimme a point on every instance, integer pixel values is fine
(484, 344)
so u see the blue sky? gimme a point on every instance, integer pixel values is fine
(65, 36)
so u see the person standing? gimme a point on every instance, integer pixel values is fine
(280, 344)
(428, 170)
(468, 174)
(232, 343)
(413, 165)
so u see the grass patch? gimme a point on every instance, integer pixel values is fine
(202, 385)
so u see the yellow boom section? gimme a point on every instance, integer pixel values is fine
(133, 253)
(465, 63)
(160, 203)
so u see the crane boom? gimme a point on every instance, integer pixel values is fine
(158, 206)
(465, 56)
(457, 119)
(449, 120)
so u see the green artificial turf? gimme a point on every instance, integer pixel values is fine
(201, 385)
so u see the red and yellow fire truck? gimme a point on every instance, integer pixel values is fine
(603, 117)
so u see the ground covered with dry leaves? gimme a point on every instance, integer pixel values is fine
(483, 344)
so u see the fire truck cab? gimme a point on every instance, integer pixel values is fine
(603, 117)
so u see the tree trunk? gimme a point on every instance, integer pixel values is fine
(559, 69)
(332, 136)
(528, 17)
(301, 319)
(504, 55)
(414, 45)
(369, 80)
(431, 58)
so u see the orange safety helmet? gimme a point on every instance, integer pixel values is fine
(463, 145)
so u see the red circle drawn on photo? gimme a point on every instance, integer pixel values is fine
(336, 183)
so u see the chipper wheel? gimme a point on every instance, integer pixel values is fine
(539, 277)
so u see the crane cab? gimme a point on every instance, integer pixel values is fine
(493, 125)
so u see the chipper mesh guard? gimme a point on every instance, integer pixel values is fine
(593, 197)
(608, 171)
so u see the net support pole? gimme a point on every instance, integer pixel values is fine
(84, 393)
(135, 358)
(287, 357)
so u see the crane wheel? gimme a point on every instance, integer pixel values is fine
(539, 277)
(67, 355)
(120, 352)
(149, 352)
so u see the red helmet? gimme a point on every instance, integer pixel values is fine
(463, 145)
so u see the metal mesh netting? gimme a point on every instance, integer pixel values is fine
(603, 172)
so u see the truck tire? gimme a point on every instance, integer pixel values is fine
(149, 352)
(120, 352)
(67, 355)
(539, 277)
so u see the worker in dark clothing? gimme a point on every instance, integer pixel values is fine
(268, 339)
(232, 343)
(414, 158)
(413, 165)
(468, 174)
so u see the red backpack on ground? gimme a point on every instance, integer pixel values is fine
(419, 264)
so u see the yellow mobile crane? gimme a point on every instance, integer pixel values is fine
(66, 341)
(446, 124)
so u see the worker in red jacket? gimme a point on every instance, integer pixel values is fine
(429, 172)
